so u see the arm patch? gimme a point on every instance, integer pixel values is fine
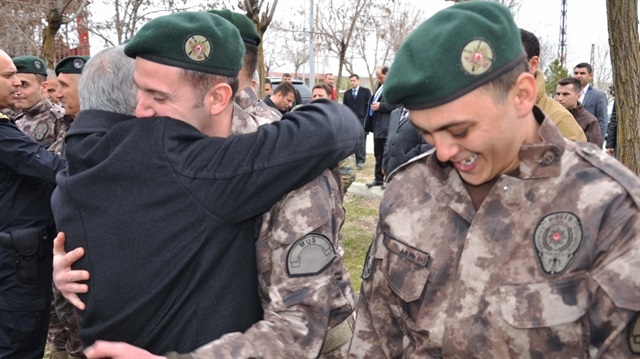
(310, 255)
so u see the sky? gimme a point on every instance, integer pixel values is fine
(586, 25)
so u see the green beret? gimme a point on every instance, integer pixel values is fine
(30, 65)
(246, 27)
(198, 41)
(71, 65)
(453, 53)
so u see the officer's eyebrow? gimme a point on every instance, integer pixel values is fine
(451, 124)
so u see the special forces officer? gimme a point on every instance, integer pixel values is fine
(509, 241)
(306, 294)
(219, 251)
(39, 119)
(27, 178)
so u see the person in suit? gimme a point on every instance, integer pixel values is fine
(377, 121)
(358, 101)
(403, 142)
(593, 100)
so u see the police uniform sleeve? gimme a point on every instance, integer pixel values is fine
(614, 317)
(298, 256)
(378, 330)
(25, 157)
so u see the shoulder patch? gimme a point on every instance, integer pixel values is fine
(633, 334)
(41, 130)
(557, 238)
(614, 169)
(310, 255)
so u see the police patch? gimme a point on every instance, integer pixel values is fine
(633, 335)
(41, 131)
(78, 63)
(309, 255)
(557, 238)
(37, 65)
(197, 48)
(476, 57)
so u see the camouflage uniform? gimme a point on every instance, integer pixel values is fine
(306, 293)
(58, 147)
(43, 122)
(547, 267)
(348, 171)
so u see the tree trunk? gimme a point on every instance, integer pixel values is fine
(622, 18)
(54, 21)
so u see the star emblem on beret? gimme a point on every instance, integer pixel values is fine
(197, 48)
(78, 63)
(476, 57)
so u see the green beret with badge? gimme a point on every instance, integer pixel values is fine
(198, 41)
(246, 27)
(452, 53)
(30, 65)
(71, 65)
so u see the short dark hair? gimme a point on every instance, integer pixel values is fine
(325, 87)
(204, 81)
(384, 70)
(577, 86)
(286, 74)
(250, 59)
(499, 87)
(354, 75)
(530, 43)
(284, 88)
(585, 64)
(267, 81)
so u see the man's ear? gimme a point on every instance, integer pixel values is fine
(525, 93)
(218, 98)
(534, 62)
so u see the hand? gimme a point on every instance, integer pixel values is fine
(64, 277)
(375, 106)
(611, 151)
(117, 350)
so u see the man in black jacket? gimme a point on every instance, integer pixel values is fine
(377, 121)
(403, 143)
(27, 178)
(182, 187)
(357, 99)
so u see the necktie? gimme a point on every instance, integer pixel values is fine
(354, 93)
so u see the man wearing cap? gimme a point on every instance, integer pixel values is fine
(68, 71)
(207, 190)
(509, 240)
(27, 172)
(39, 118)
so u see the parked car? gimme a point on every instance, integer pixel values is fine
(305, 92)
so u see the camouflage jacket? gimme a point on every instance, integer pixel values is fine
(305, 290)
(260, 113)
(43, 122)
(547, 267)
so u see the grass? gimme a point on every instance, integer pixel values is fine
(359, 226)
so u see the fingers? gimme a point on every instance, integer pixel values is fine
(58, 244)
(116, 350)
(74, 300)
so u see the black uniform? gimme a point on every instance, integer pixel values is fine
(167, 216)
(403, 141)
(27, 179)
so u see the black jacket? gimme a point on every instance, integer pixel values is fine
(379, 122)
(360, 104)
(612, 129)
(27, 178)
(403, 142)
(167, 216)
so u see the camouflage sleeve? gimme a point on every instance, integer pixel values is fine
(378, 331)
(613, 314)
(305, 289)
(348, 171)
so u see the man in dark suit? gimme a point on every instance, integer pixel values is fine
(377, 121)
(593, 100)
(357, 99)
(403, 142)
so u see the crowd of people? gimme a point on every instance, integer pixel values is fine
(194, 219)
